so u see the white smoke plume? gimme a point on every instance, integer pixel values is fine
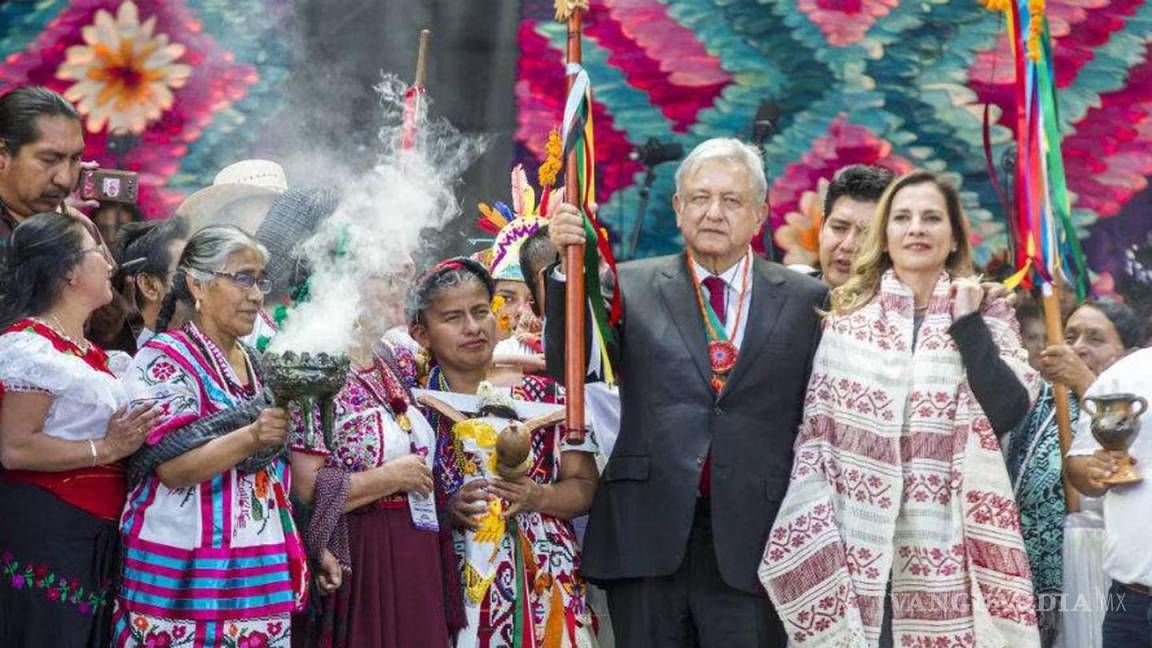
(378, 224)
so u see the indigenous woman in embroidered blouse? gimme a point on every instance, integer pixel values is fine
(900, 527)
(212, 556)
(536, 597)
(371, 497)
(63, 428)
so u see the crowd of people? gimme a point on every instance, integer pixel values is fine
(866, 453)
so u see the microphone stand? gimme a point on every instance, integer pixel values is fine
(763, 127)
(645, 191)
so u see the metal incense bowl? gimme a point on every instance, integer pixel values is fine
(310, 381)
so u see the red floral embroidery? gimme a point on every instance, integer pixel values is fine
(935, 561)
(990, 508)
(982, 428)
(796, 534)
(859, 485)
(819, 618)
(161, 371)
(862, 560)
(920, 488)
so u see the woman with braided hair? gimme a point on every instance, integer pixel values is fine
(211, 551)
(517, 552)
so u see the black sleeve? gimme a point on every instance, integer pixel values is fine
(554, 326)
(1000, 394)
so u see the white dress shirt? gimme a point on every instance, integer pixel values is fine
(733, 279)
(1127, 523)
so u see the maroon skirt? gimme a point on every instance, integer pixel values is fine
(394, 597)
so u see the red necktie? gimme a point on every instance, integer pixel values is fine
(717, 291)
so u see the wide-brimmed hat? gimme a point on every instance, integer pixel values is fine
(240, 195)
(292, 219)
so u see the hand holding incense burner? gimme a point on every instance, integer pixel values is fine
(1115, 423)
(310, 381)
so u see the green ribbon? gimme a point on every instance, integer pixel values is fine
(1058, 187)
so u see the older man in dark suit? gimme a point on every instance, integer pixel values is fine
(714, 356)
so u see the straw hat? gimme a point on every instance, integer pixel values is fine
(240, 195)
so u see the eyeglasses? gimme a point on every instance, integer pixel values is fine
(246, 280)
(98, 248)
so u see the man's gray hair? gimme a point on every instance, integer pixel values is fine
(733, 150)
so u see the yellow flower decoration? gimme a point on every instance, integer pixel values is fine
(553, 151)
(503, 320)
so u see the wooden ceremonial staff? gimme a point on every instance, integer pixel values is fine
(1055, 334)
(414, 98)
(575, 370)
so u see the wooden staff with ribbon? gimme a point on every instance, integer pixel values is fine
(1041, 207)
(414, 106)
(575, 371)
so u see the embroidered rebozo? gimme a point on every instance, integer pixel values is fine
(898, 480)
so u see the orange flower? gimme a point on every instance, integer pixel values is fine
(233, 630)
(552, 164)
(141, 623)
(262, 484)
(799, 237)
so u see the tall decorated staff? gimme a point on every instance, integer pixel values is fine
(1045, 238)
(582, 261)
(414, 104)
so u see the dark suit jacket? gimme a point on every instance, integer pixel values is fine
(670, 417)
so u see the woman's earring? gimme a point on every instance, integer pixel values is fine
(197, 305)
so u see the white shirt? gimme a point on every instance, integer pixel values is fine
(83, 399)
(1127, 523)
(733, 279)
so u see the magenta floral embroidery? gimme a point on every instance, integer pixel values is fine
(54, 587)
(162, 370)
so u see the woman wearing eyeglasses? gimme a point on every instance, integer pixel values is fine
(212, 556)
(63, 430)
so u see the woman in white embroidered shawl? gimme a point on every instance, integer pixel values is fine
(899, 527)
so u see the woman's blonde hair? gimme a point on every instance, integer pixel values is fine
(873, 260)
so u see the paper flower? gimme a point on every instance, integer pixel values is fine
(124, 73)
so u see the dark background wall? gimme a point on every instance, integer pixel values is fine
(345, 46)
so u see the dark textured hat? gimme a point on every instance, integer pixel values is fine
(293, 218)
